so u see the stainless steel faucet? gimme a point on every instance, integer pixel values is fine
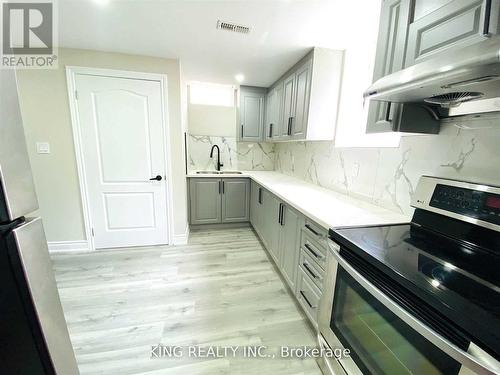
(219, 164)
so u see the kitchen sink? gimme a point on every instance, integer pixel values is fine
(218, 172)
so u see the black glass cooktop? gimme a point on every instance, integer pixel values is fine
(458, 279)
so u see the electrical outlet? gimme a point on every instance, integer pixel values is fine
(43, 148)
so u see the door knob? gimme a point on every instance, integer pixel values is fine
(157, 178)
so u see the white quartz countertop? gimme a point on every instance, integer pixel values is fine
(328, 208)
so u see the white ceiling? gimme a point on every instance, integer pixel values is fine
(281, 32)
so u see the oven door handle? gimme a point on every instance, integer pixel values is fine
(442, 343)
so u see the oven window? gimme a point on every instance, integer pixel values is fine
(380, 342)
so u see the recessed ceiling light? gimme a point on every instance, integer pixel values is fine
(239, 77)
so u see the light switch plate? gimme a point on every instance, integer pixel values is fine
(43, 148)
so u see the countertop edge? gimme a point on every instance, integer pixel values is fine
(400, 218)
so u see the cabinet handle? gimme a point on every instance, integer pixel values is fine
(487, 16)
(311, 272)
(279, 214)
(223, 188)
(241, 130)
(312, 230)
(219, 188)
(270, 130)
(260, 195)
(314, 253)
(307, 301)
(289, 130)
(282, 214)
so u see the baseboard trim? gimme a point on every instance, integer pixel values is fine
(68, 246)
(195, 227)
(181, 239)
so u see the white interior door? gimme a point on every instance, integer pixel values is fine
(122, 139)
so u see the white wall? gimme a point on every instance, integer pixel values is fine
(46, 116)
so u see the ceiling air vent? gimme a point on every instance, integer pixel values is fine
(229, 26)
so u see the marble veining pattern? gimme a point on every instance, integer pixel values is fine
(388, 176)
(120, 302)
(234, 155)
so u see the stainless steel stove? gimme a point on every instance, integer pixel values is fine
(421, 297)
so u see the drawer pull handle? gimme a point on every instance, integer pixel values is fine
(311, 272)
(307, 301)
(314, 253)
(312, 230)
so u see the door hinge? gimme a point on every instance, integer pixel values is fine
(76, 94)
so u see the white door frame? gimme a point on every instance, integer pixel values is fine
(71, 72)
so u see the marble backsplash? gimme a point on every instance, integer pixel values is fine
(235, 155)
(388, 176)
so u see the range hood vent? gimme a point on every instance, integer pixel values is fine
(446, 81)
(453, 99)
(230, 26)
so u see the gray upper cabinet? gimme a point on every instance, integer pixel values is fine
(216, 201)
(274, 103)
(303, 103)
(205, 200)
(298, 123)
(288, 106)
(235, 200)
(391, 48)
(291, 224)
(456, 24)
(252, 103)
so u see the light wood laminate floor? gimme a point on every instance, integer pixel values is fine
(220, 289)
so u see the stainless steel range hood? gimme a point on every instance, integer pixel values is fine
(444, 82)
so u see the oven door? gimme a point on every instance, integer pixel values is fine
(382, 337)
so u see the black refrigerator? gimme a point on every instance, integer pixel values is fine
(34, 336)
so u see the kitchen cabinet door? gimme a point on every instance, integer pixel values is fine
(455, 25)
(291, 224)
(252, 103)
(298, 124)
(274, 102)
(235, 200)
(270, 224)
(256, 207)
(254, 204)
(205, 200)
(288, 106)
(395, 19)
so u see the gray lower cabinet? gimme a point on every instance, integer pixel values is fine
(215, 200)
(291, 224)
(256, 207)
(235, 200)
(456, 24)
(205, 200)
(271, 224)
(252, 104)
(297, 245)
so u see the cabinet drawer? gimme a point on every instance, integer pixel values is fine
(310, 267)
(313, 248)
(308, 296)
(319, 233)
